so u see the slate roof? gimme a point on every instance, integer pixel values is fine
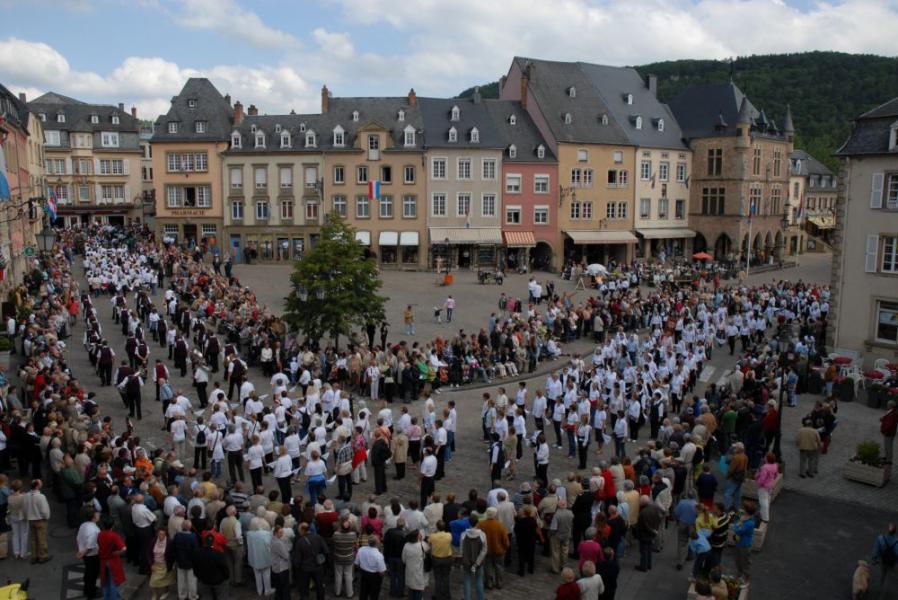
(870, 132)
(436, 113)
(699, 109)
(524, 135)
(599, 91)
(13, 108)
(210, 106)
(296, 125)
(381, 111)
(78, 114)
(808, 165)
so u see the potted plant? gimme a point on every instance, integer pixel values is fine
(5, 350)
(868, 465)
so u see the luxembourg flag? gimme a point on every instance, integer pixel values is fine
(50, 207)
(374, 189)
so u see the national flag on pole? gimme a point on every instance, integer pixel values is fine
(50, 207)
(374, 189)
(5, 192)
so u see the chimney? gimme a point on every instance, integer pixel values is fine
(252, 110)
(502, 81)
(22, 97)
(238, 113)
(121, 106)
(325, 99)
(227, 99)
(476, 96)
(134, 112)
(525, 83)
(652, 84)
(412, 97)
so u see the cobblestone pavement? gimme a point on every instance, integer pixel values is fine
(806, 504)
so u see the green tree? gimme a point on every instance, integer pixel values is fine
(335, 287)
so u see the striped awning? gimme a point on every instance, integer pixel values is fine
(519, 239)
(673, 232)
(602, 237)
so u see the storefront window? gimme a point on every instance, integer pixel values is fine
(409, 255)
(297, 248)
(283, 249)
(388, 255)
(267, 252)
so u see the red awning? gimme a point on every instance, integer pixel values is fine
(519, 239)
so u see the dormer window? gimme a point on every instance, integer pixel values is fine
(637, 122)
(455, 114)
(191, 103)
(475, 136)
(628, 98)
(400, 116)
(355, 115)
(540, 151)
(252, 128)
(310, 139)
(236, 141)
(200, 126)
(285, 139)
(43, 117)
(604, 119)
(572, 92)
(893, 137)
(512, 151)
(302, 127)
(260, 139)
(60, 118)
(409, 136)
(660, 125)
(339, 137)
(115, 119)
(567, 118)
(173, 127)
(94, 119)
(277, 127)
(453, 134)
(512, 120)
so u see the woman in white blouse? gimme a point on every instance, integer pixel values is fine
(283, 471)
(314, 471)
(255, 456)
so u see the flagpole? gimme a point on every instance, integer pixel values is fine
(748, 246)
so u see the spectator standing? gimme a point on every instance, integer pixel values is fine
(37, 513)
(372, 567)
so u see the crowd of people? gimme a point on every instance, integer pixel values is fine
(656, 463)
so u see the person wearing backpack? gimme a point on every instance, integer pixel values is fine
(200, 449)
(885, 553)
(473, 555)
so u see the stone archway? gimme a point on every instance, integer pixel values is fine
(699, 243)
(723, 246)
(541, 257)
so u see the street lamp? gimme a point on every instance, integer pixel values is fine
(46, 239)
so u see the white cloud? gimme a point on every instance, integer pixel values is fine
(149, 82)
(232, 21)
(485, 35)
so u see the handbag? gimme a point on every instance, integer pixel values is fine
(428, 560)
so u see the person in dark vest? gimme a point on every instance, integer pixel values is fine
(162, 332)
(213, 349)
(105, 361)
(143, 354)
(238, 372)
(160, 373)
(131, 387)
(131, 350)
(125, 318)
(181, 355)
(121, 374)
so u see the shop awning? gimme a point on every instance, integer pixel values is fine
(388, 238)
(466, 235)
(658, 234)
(823, 222)
(519, 239)
(408, 238)
(364, 237)
(602, 237)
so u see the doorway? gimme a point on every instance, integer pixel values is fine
(465, 256)
(190, 235)
(235, 248)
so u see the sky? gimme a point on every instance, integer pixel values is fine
(277, 54)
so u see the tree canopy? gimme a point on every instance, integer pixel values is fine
(335, 287)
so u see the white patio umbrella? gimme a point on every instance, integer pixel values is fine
(596, 269)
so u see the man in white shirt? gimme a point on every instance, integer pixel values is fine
(428, 475)
(372, 567)
(144, 521)
(233, 447)
(88, 552)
